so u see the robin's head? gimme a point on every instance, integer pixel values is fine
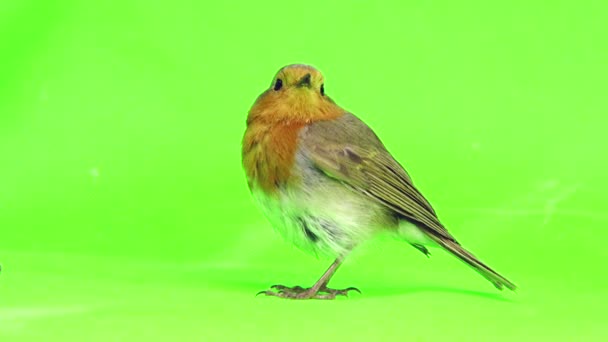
(299, 78)
(297, 92)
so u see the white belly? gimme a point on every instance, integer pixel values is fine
(325, 223)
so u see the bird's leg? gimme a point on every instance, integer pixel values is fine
(318, 291)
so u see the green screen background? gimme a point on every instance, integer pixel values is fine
(124, 211)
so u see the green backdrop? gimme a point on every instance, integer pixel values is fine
(125, 214)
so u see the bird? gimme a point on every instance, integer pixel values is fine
(326, 182)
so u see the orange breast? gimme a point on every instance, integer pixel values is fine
(269, 154)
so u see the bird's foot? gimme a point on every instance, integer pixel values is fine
(298, 292)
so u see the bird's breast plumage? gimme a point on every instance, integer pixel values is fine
(268, 154)
(315, 212)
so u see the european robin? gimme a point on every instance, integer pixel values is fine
(327, 183)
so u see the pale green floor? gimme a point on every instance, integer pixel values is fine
(53, 297)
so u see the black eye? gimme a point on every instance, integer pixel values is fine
(322, 89)
(279, 84)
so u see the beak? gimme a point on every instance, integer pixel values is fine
(304, 81)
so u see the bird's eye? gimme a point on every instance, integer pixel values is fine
(322, 90)
(278, 84)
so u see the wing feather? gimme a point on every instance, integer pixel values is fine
(347, 150)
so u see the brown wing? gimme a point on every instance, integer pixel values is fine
(348, 150)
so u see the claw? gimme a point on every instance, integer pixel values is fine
(353, 289)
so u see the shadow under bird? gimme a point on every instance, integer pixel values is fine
(326, 182)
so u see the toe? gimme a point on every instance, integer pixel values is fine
(325, 296)
(340, 292)
(283, 288)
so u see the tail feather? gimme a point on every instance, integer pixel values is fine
(496, 279)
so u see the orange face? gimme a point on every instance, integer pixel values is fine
(298, 76)
(296, 94)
